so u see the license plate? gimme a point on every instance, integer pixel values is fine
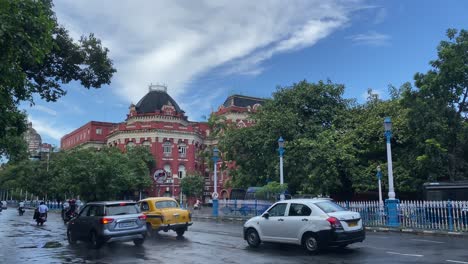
(125, 225)
(352, 224)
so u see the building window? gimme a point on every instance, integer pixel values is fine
(182, 150)
(167, 148)
(167, 169)
(181, 171)
(146, 144)
(130, 144)
(99, 131)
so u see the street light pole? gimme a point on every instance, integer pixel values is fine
(215, 191)
(392, 202)
(281, 153)
(388, 135)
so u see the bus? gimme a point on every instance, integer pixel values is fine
(443, 191)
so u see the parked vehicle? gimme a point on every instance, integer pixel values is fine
(312, 223)
(163, 213)
(101, 222)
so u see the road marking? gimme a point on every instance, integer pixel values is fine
(409, 255)
(456, 261)
(430, 241)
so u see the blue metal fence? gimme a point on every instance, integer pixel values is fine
(424, 215)
(243, 208)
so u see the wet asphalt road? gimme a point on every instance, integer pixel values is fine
(21, 241)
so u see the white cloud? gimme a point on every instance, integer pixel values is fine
(365, 95)
(371, 39)
(175, 42)
(48, 128)
(44, 109)
(380, 16)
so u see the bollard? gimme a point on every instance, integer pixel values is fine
(449, 214)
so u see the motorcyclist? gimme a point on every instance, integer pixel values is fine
(71, 209)
(21, 208)
(42, 212)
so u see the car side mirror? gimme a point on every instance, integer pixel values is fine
(266, 215)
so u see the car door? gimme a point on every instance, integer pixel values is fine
(297, 220)
(271, 227)
(78, 224)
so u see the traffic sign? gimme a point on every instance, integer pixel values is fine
(214, 195)
(159, 176)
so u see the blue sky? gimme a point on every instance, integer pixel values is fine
(205, 51)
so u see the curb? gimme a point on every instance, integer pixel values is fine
(370, 229)
(417, 231)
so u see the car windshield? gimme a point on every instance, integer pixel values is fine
(329, 207)
(166, 204)
(122, 209)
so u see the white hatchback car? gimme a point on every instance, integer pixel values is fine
(313, 223)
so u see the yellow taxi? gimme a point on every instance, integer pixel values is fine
(164, 213)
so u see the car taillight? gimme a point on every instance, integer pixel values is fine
(106, 220)
(142, 217)
(334, 222)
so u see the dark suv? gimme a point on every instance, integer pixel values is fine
(100, 222)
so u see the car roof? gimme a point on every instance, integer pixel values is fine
(307, 200)
(110, 202)
(157, 199)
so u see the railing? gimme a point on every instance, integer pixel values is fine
(424, 215)
(243, 208)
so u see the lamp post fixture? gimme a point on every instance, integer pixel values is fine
(281, 153)
(392, 203)
(379, 178)
(215, 191)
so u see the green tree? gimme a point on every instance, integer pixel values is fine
(192, 185)
(37, 58)
(438, 112)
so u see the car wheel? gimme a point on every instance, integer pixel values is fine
(252, 238)
(311, 243)
(149, 231)
(71, 239)
(180, 232)
(94, 240)
(138, 242)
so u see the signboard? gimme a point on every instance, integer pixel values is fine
(159, 176)
(214, 195)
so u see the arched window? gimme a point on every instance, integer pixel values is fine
(130, 144)
(181, 171)
(146, 144)
(167, 168)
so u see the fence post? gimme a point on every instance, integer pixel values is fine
(255, 206)
(450, 217)
(347, 204)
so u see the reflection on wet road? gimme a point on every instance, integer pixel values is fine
(210, 242)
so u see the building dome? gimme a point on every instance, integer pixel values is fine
(155, 100)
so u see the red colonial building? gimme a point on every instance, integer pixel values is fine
(176, 143)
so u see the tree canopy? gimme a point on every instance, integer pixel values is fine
(333, 145)
(37, 58)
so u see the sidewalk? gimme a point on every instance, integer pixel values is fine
(206, 213)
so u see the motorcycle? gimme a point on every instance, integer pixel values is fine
(21, 210)
(68, 216)
(40, 218)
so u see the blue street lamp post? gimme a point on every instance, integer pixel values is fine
(215, 191)
(281, 153)
(392, 202)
